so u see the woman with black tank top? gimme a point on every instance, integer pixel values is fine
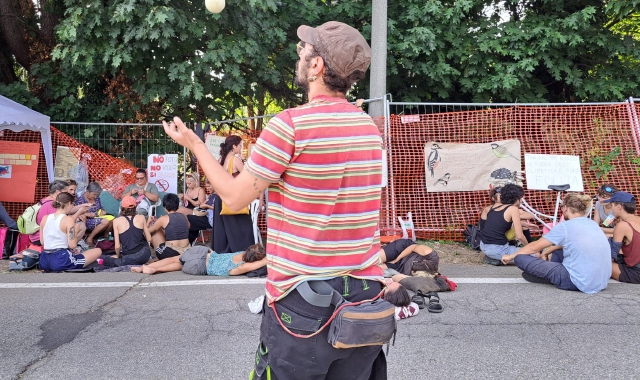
(496, 220)
(170, 233)
(131, 236)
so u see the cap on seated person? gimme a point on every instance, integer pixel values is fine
(128, 202)
(620, 197)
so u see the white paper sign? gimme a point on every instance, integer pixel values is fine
(163, 172)
(542, 170)
(213, 144)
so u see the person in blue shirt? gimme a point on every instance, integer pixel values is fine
(581, 257)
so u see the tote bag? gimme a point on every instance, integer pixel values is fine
(226, 210)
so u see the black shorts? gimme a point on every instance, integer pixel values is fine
(629, 274)
(395, 248)
(164, 252)
(289, 358)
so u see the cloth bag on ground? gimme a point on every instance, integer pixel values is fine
(225, 209)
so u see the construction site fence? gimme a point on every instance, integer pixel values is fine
(605, 136)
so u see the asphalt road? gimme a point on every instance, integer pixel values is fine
(175, 326)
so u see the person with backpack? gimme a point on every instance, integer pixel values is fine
(42, 209)
(59, 239)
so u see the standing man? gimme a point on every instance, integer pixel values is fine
(321, 163)
(144, 192)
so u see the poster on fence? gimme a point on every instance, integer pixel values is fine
(542, 170)
(66, 159)
(18, 171)
(213, 144)
(471, 167)
(163, 172)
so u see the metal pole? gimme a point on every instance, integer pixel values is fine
(378, 78)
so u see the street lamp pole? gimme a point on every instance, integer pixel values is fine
(378, 78)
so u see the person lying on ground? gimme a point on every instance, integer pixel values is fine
(603, 211)
(170, 233)
(131, 235)
(59, 239)
(96, 220)
(582, 264)
(497, 220)
(400, 254)
(201, 260)
(625, 244)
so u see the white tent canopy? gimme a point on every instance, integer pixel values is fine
(17, 118)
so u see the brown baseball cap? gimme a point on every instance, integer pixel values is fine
(340, 44)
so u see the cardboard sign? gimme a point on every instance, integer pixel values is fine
(66, 159)
(163, 172)
(18, 171)
(542, 170)
(213, 144)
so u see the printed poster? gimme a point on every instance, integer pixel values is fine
(543, 170)
(18, 171)
(66, 159)
(472, 167)
(163, 172)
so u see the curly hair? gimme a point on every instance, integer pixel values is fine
(510, 194)
(254, 253)
(578, 203)
(331, 79)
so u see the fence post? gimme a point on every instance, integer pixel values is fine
(635, 123)
(391, 199)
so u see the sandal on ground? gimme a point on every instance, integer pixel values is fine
(418, 300)
(434, 303)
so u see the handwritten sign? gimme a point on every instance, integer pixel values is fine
(66, 159)
(542, 170)
(163, 172)
(213, 144)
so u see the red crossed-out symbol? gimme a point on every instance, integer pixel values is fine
(162, 184)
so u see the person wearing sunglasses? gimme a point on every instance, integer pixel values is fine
(145, 193)
(603, 213)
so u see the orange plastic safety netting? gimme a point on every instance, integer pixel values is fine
(593, 132)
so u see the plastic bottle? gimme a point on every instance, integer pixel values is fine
(110, 236)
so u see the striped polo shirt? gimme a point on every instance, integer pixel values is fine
(323, 160)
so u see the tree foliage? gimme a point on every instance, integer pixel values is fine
(142, 60)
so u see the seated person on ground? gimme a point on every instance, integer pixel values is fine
(400, 254)
(198, 223)
(59, 239)
(55, 188)
(145, 193)
(526, 219)
(96, 220)
(131, 236)
(194, 195)
(201, 260)
(603, 213)
(626, 238)
(81, 227)
(583, 262)
(170, 233)
(497, 220)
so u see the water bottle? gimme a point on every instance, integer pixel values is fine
(110, 236)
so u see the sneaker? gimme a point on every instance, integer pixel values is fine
(535, 279)
(83, 245)
(406, 311)
(490, 261)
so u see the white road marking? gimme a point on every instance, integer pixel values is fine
(222, 281)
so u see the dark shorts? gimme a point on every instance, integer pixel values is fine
(629, 274)
(164, 252)
(139, 257)
(395, 248)
(288, 357)
(60, 260)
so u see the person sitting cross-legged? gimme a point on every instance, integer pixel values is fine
(170, 233)
(131, 236)
(626, 238)
(582, 264)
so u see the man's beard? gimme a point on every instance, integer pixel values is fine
(301, 75)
